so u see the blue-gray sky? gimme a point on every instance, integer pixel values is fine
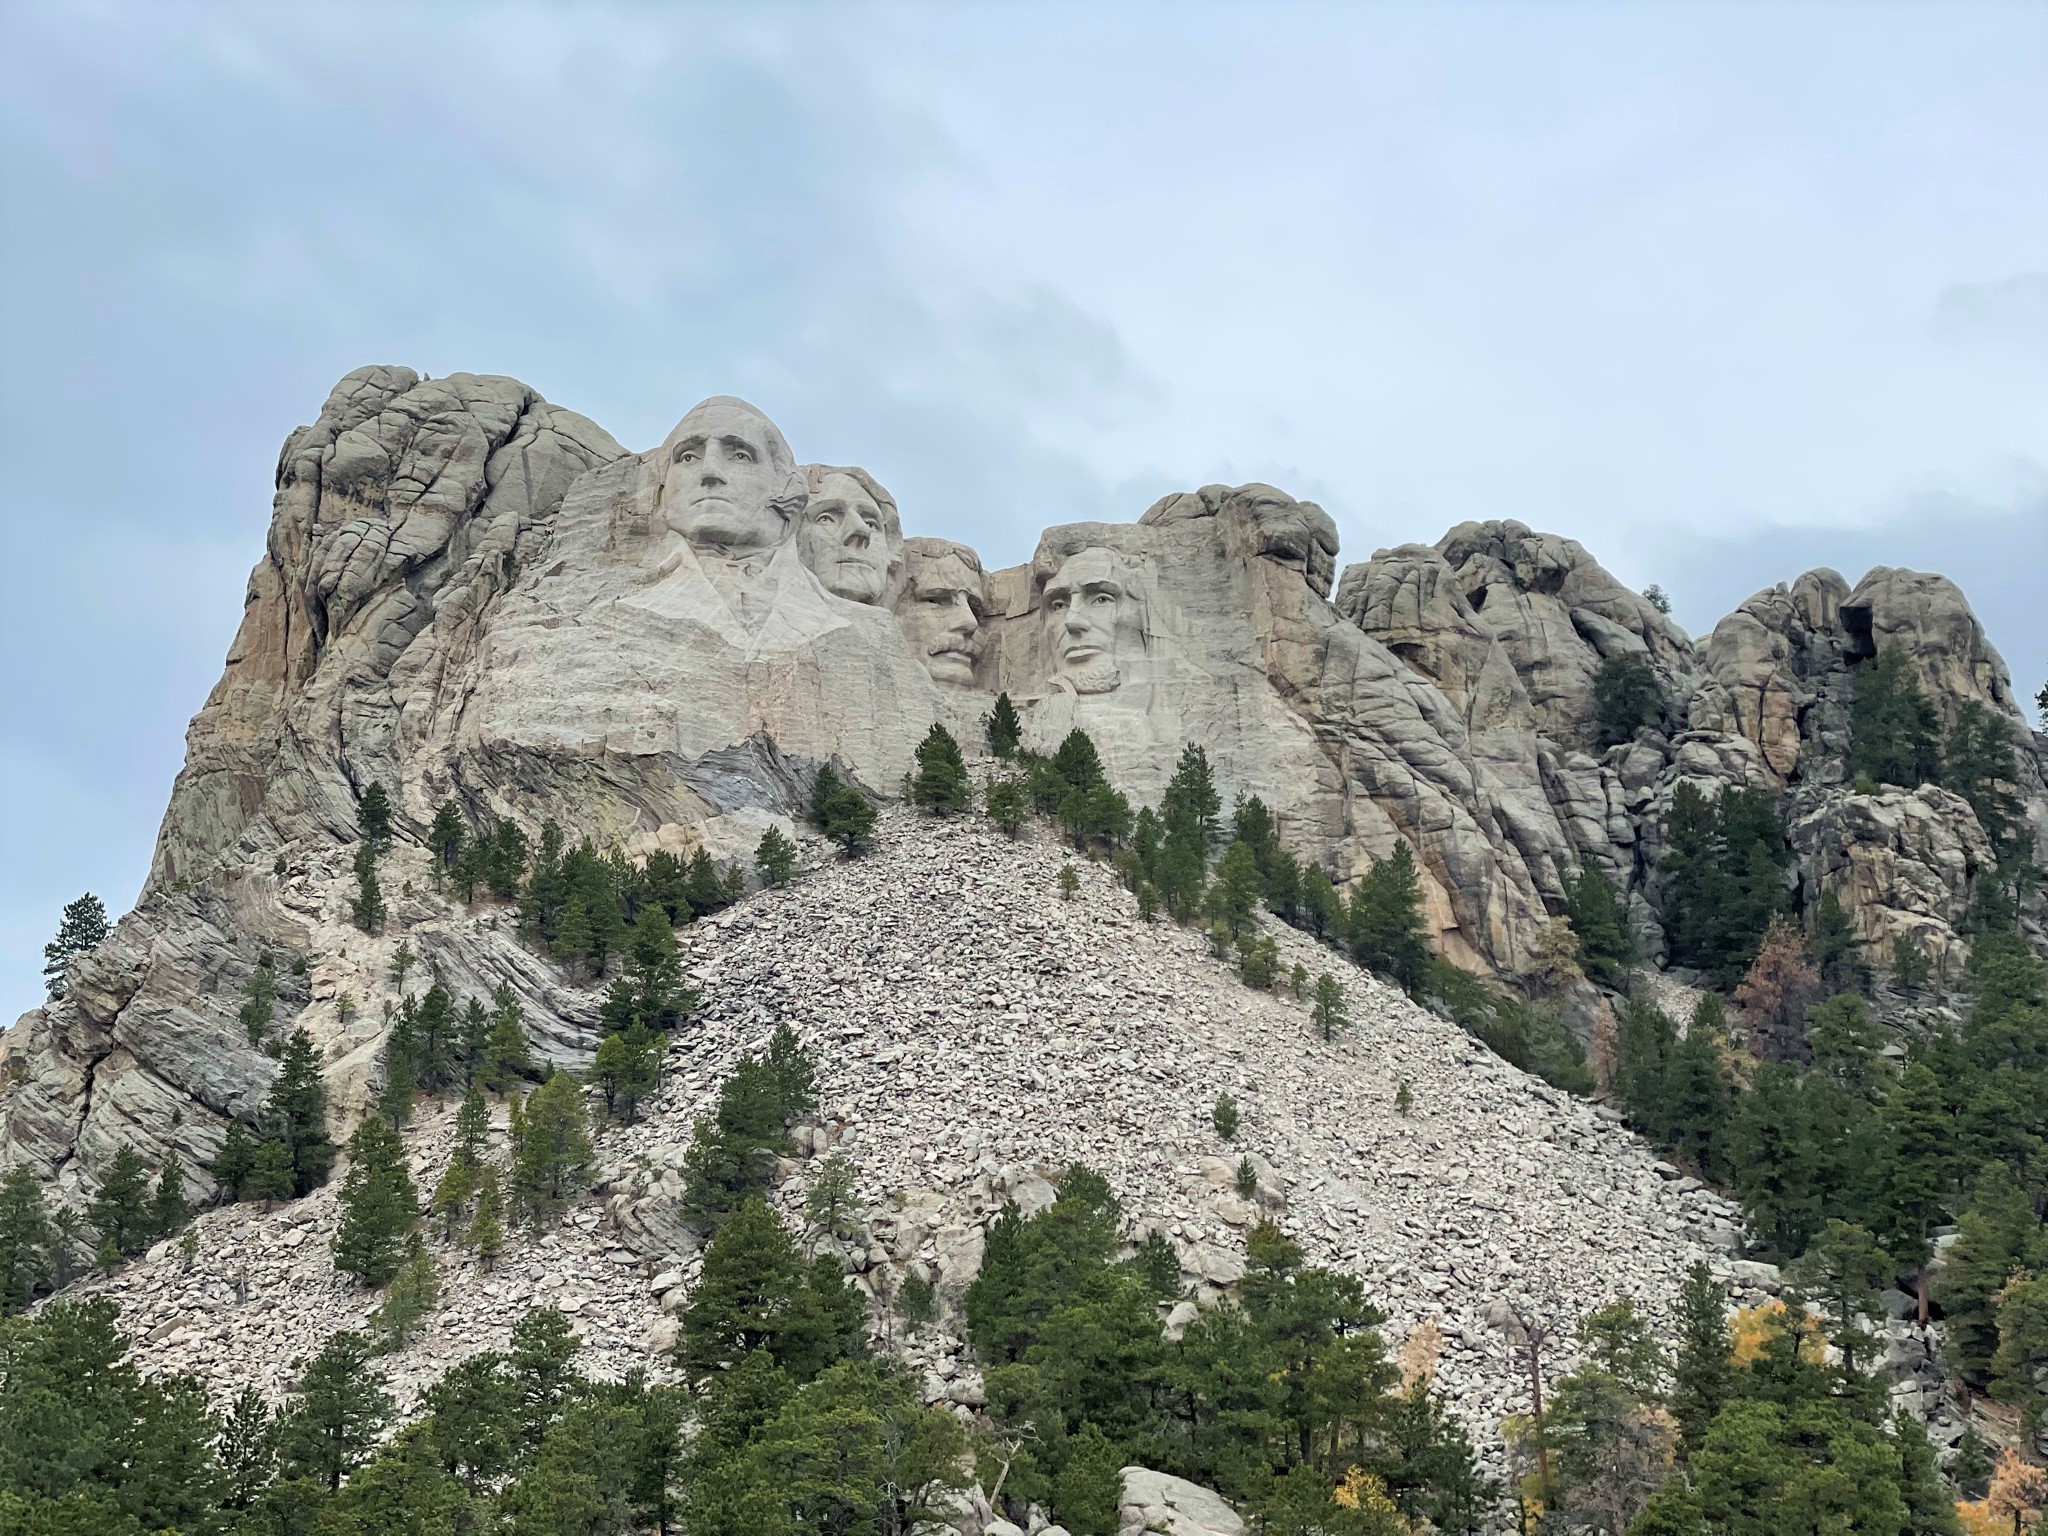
(1724, 291)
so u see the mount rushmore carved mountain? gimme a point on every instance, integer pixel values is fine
(471, 594)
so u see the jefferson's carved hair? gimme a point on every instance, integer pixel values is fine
(815, 476)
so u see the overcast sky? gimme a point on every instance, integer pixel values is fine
(1724, 292)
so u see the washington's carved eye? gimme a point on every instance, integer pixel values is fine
(742, 455)
(686, 455)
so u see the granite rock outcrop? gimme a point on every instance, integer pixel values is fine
(469, 594)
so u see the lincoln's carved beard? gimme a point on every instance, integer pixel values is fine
(1099, 676)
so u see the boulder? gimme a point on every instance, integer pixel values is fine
(1153, 1501)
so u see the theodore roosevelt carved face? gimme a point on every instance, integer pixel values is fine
(728, 481)
(1094, 620)
(942, 609)
(849, 535)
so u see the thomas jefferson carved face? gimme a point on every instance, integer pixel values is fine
(848, 534)
(727, 479)
(1094, 621)
(941, 615)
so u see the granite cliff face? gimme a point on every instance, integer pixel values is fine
(470, 593)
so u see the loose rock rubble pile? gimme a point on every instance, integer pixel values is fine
(976, 1033)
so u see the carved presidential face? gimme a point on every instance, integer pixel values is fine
(728, 482)
(941, 617)
(1094, 621)
(846, 537)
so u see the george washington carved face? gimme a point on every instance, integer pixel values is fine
(728, 482)
(1094, 621)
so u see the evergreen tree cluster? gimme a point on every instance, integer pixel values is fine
(583, 906)
(42, 1250)
(1896, 737)
(1724, 864)
(733, 1151)
(515, 1440)
(1626, 698)
(1831, 1128)
(1276, 1400)
(1774, 1438)
(842, 812)
(286, 1152)
(580, 905)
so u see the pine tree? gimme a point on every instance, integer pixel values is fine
(271, 1176)
(259, 1000)
(119, 1212)
(1835, 947)
(169, 1211)
(25, 1239)
(487, 1227)
(296, 1114)
(446, 839)
(1224, 1117)
(454, 1191)
(247, 1457)
(775, 858)
(378, 1204)
(473, 1040)
(1894, 731)
(472, 1123)
(435, 1062)
(574, 935)
(232, 1164)
(757, 1293)
(841, 812)
(415, 1291)
(401, 1058)
(507, 1058)
(1002, 728)
(1699, 1092)
(1006, 802)
(1997, 1237)
(1234, 893)
(552, 1162)
(626, 1069)
(1843, 1270)
(833, 1207)
(940, 784)
(1919, 1137)
(1703, 1374)
(1979, 762)
(82, 928)
(1626, 698)
(373, 817)
(367, 910)
(650, 993)
(1607, 946)
(795, 1074)
(1321, 907)
(1329, 1013)
(2021, 1359)
(334, 1415)
(1191, 796)
(1384, 923)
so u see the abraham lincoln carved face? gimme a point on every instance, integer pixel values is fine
(1094, 621)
